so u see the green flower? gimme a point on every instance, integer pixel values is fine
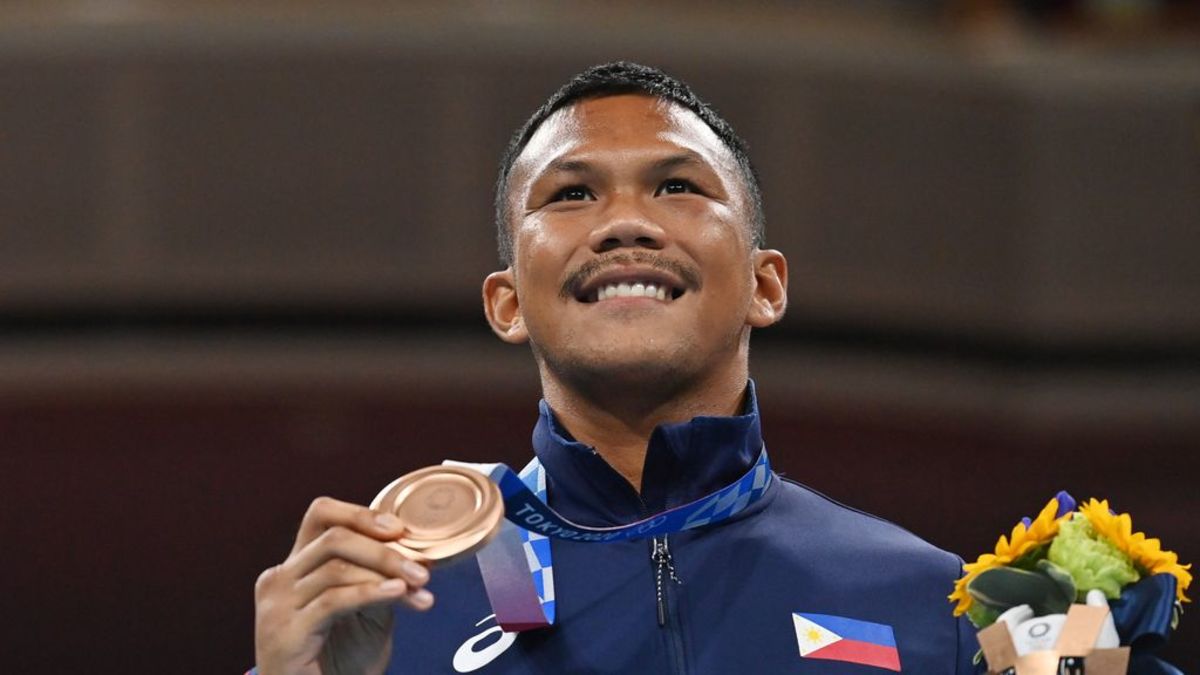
(1091, 560)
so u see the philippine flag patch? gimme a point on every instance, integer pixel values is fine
(836, 638)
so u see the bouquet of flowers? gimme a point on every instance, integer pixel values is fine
(1071, 554)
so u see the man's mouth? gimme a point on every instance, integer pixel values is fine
(635, 289)
(631, 277)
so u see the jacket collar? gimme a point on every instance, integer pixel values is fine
(683, 462)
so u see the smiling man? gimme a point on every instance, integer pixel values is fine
(631, 226)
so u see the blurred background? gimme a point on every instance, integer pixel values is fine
(241, 245)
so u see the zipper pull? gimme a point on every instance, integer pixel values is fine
(661, 557)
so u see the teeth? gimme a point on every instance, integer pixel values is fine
(637, 289)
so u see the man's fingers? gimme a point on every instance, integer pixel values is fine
(340, 600)
(333, 573)
(326, 512)
(338, 572)
(420, 599)
(360, 550)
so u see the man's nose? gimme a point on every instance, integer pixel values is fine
(626, 225)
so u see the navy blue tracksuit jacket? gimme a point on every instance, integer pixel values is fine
(739, 581)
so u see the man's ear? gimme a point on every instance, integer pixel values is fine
(503, 308)
(770, 289)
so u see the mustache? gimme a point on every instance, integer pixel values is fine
(579, 277)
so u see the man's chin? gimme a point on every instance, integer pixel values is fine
(639, 372)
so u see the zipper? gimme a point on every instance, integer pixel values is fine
(661, 557)
(664, 578)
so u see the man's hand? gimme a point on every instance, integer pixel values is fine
(327, 609)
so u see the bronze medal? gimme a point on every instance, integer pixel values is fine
(448, 512)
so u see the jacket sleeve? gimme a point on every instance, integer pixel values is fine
(968, 643)
(968, 647)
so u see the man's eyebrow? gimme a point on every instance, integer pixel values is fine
(583, 166)
(568, 165)
(686, 158)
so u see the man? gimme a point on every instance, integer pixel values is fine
(630, 221)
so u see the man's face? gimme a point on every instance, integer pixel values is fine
(632, 254)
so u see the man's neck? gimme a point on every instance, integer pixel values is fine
(619, 424)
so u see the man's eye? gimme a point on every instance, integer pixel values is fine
(676, 186)
(575, 193)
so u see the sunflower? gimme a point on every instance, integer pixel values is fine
(1024, 539)
(1147, 554)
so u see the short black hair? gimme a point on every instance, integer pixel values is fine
(611, 79)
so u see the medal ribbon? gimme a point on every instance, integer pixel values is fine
(516, 566)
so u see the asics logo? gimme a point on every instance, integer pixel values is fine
(471, 657)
